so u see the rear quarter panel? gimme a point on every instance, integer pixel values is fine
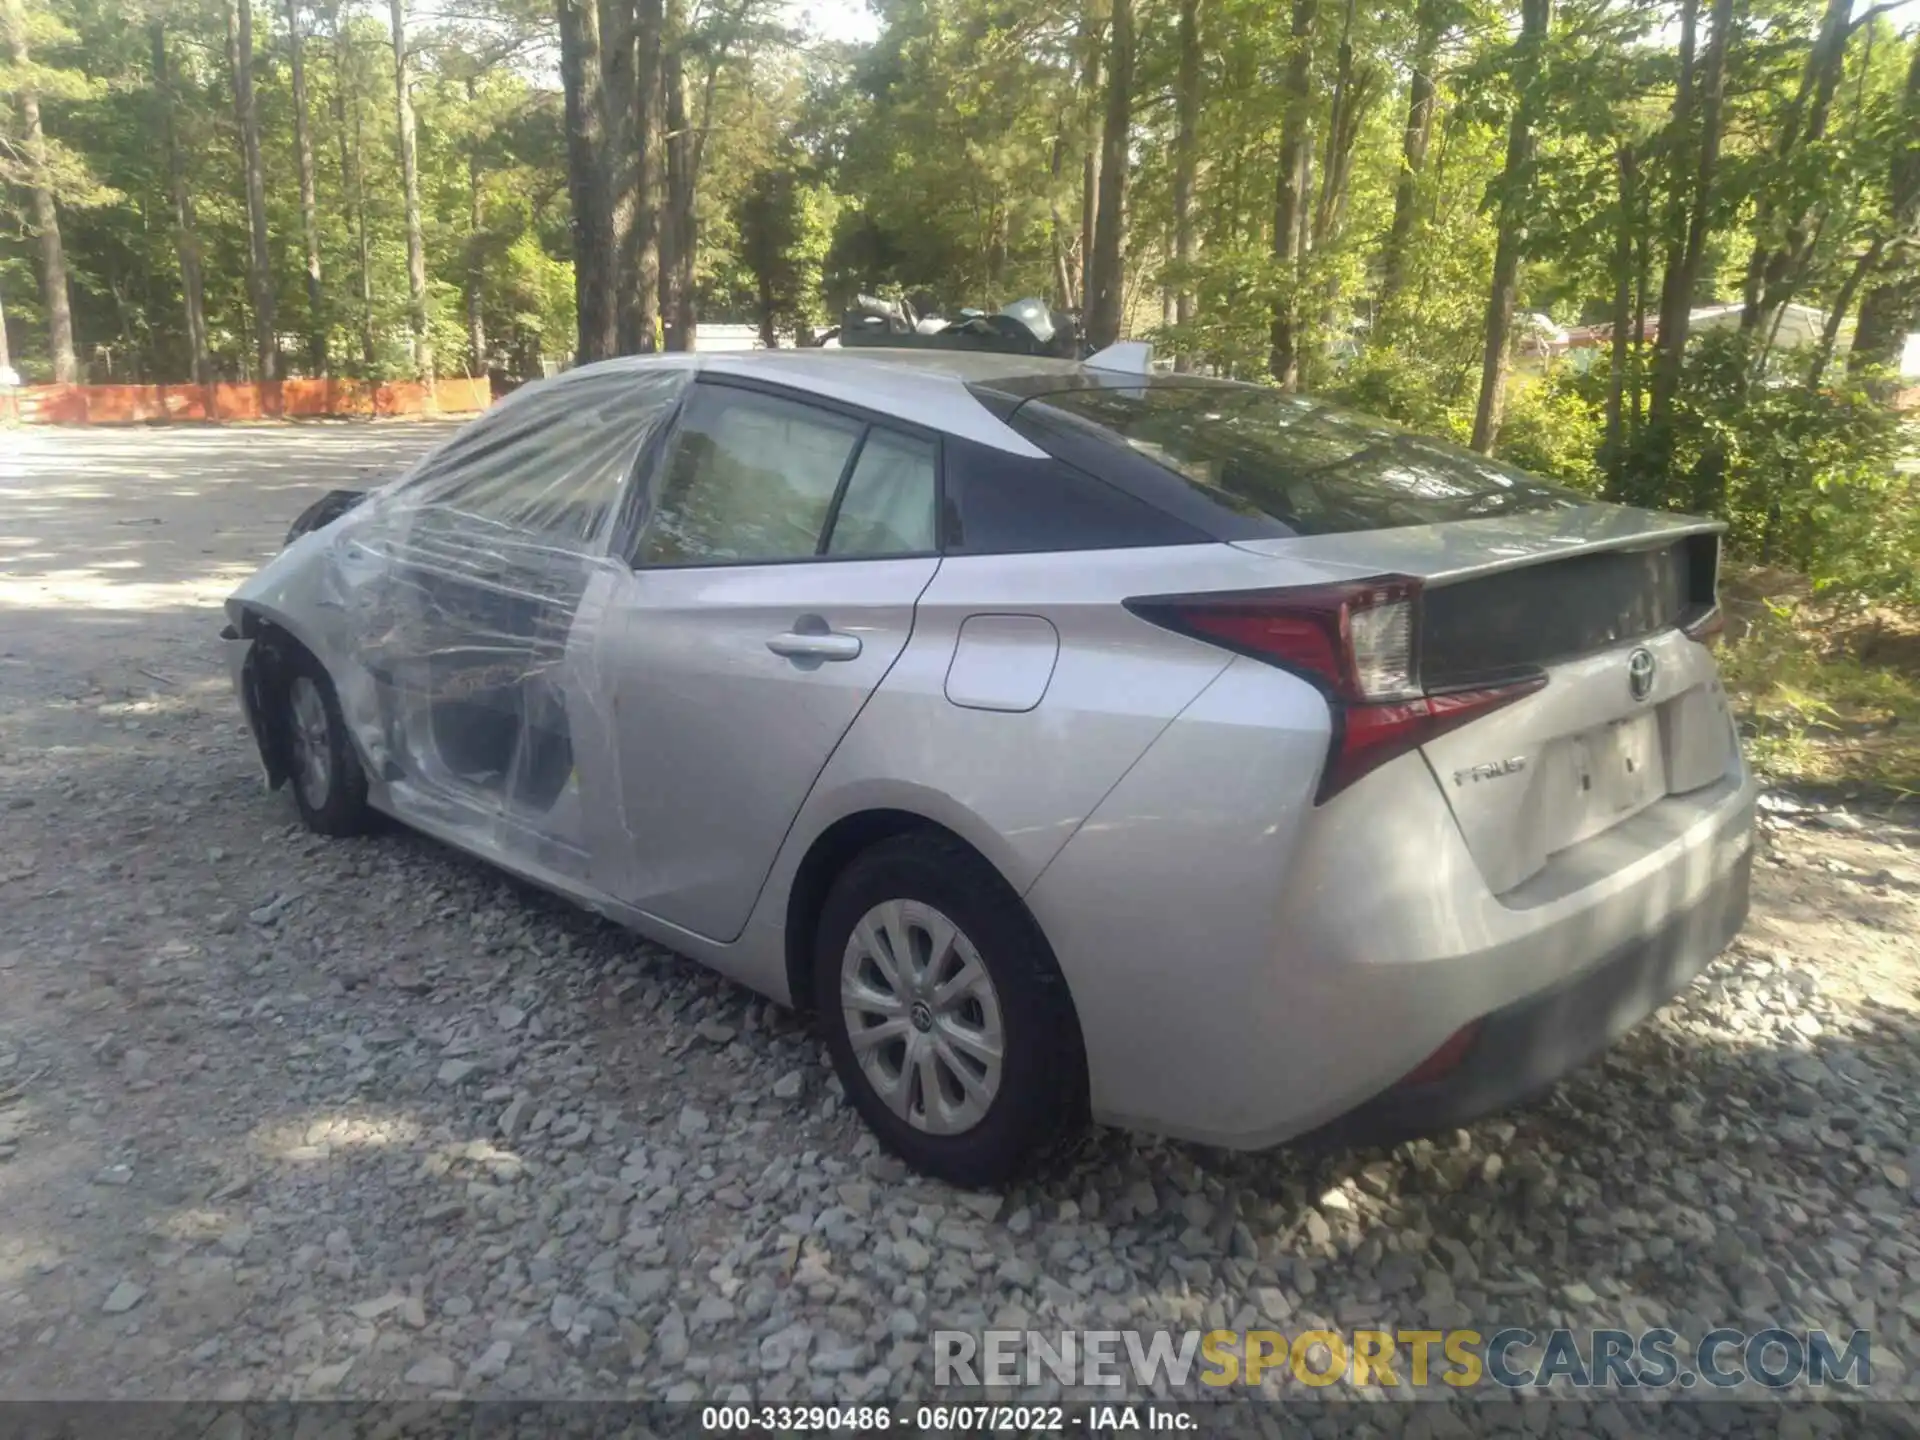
(1017, 784)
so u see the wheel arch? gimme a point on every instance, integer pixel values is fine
(260, 684)
(836, 847)
(832, 850)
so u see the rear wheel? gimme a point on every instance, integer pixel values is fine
(947, 1018)
(328, 784)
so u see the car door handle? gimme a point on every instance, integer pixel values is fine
(796, 646)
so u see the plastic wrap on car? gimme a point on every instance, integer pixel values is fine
(462, 604)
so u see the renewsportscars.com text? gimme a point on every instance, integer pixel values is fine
(1512, 1357)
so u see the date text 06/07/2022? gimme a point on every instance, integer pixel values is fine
(946, 1419)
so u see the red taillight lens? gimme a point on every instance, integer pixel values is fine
(1371, 735)
(1356, 640)
(1358, 643)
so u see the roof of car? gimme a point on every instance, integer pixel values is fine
(939, 389)
(924, 387)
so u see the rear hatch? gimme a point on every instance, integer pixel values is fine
(1600, 601)
(1531, 643)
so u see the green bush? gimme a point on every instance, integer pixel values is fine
(1807, 478)
(1555, 429)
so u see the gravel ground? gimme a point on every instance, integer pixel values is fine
(289, 1117)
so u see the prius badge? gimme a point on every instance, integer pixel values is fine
(1492, 770)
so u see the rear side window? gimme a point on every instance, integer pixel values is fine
(999, 503)
(889, 504)
(1315, 469)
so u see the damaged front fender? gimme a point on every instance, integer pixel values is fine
(250, 661)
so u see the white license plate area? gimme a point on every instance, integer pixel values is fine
(1618, 769)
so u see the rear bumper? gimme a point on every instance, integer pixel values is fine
(1248, 967)
(1523, 1049)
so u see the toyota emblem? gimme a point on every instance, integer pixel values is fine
(1641, 668)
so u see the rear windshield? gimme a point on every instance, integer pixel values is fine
(1315, 469)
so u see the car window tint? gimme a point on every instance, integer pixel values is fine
(750, 477)
(1002, 503)
(889, 504)
(1315, 468)
(552, 458)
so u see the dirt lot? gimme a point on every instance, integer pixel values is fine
(281, 1116)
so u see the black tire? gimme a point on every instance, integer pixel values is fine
(338, 808)
(1041, 1095)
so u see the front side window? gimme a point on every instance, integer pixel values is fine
(753, 479)
(551, 460)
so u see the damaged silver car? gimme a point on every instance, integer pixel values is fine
(1074, 741)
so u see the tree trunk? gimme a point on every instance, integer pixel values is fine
(1092, 35)
(1773, 268)
(186, 233)
(765, 309)
(648, 101)
(1890, 311)
(701, 127)
(618, 87)
(1186, 165)
(1063, 296)
(1106, 283)
(1354, 93)
(1892, 306)
(1616, 443)
(1414, 140)
(352, 177)
(476, 263)
(1290, 194)
(1837, 313)
(1337, 109)
(593, 262)
(309, 206)
(6, 354)
(1516, 190)
(46, 215)
(259, 263)
(678, 238)
(1642, 283)
(1690, 207)
(1674, 300)
(410, 186)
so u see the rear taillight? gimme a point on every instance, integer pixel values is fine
(1359, 643)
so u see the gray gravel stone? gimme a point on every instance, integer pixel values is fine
(435, 1372)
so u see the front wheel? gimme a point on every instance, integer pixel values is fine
(328, 784)
(947, 1019)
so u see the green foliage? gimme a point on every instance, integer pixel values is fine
(784, 222)
(1807, 478)
(1554, 428)
(1826, 692)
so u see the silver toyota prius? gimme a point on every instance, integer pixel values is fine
(1073, 740)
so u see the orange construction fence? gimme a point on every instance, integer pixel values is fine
(269, 400)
